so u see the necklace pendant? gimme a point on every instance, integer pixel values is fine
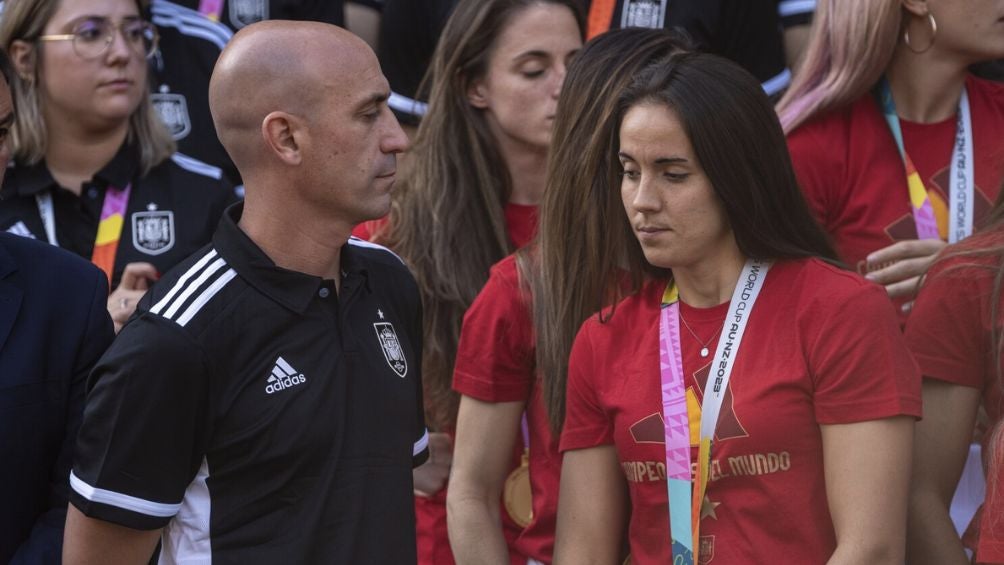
(704, 352)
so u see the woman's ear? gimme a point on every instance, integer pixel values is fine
(917, 8)
(477, 94)
(22, 56)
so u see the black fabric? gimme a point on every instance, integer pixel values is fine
(53, 328)
(312, 467)
(179, 81)
(239, 13)
(190, 201)
(409, 30)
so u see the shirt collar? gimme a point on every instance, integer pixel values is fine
(291, 289)
(29, 180)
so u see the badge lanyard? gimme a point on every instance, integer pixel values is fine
(211, 9)
(686, 494)
(634, 13)
(961, 182)
(106, 242)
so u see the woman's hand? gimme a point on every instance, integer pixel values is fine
(900, 266)
(136, 279)
(431, 476)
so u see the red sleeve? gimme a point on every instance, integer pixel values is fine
(495, 356)
(586, 423)
(945, 330)
(367, 230)
(862, 369)
(819, 165)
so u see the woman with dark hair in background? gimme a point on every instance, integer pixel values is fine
(955, 334)
(504, 396)
(789, 440)
(94, 170)
(476, 175)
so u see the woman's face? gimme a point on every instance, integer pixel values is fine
(97, 92)
(519, 92)
(670, 203)
(973, 30)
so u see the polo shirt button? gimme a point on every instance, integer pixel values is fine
(324, 292)
(92, 193)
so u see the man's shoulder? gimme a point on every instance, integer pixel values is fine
(33, 258)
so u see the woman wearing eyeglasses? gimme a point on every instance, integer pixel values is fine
(94, 171)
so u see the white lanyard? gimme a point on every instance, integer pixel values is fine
(48, 214)
(962, 183)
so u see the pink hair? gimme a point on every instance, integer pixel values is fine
(851, 45)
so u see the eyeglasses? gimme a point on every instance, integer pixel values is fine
(92, 37)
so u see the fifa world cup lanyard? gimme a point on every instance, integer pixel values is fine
(106, 243)
(961, 183)
(686, 495)
(211, 9)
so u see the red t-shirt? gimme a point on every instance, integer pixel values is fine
(495, 363)
(520, 220)
(804, 362)
(853, 177)
(950, 335)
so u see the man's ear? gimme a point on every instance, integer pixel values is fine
(22, 56)
(477, 94)
(280, 132)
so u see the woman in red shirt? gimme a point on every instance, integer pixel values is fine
(497, 360)
(955, 334)
(787, 441)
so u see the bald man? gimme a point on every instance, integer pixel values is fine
(264, 405)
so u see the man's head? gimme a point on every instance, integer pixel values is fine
(301, 108)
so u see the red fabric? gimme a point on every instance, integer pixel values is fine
(950, 335)
(521, 221)
(804, 361)
(430, 513)
(495, 363)
(852, 175)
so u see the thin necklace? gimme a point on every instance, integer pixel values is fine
(704, 344)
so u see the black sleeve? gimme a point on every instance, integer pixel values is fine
(420, 451)
(44, 544)
(145, 426)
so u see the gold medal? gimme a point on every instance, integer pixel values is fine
(517, 496)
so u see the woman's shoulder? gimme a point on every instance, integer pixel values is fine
(821, 283)
(187, 175)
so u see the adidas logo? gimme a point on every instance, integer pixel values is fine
(283, 376)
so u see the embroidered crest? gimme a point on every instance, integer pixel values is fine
(173, 111)
(644, 13)
(391, 348)
(153, 231)
(247, 12)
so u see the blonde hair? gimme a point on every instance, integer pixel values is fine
(851, 44)
(24, 20)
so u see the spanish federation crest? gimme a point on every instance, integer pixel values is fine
(247, 12)
(391, 348)
(173, 111)
(153, 231)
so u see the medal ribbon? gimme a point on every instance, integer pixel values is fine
(961, 183)
(686, 493)
(106, 242)
(211, 9)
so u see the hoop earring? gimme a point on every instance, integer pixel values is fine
(934, 34)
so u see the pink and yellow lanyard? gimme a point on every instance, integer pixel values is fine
(211, 9)
(106, 243)
(687, 492)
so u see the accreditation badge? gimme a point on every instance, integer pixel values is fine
(517, 495)
(649, 14)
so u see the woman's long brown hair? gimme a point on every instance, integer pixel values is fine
(575, 267)
(448, 220)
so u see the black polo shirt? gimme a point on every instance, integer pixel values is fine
(189, 44)
(171, 213)
(746, 31)
(259, 415)
(239, 13)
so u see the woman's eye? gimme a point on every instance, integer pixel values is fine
(631, 175)
(677, 177)
(89, 32)
(533, 74)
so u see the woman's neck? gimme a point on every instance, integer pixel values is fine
(73, 157)
(927, 86)
(527, 169)
(711, 281)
